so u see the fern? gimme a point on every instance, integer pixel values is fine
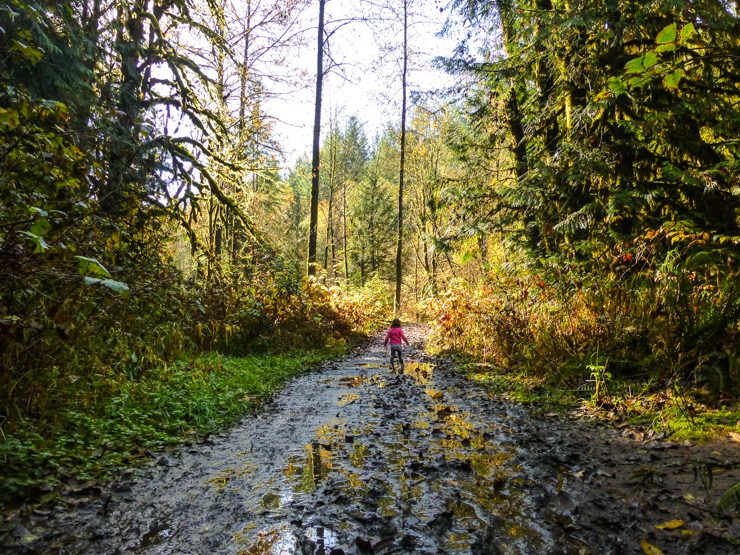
(730, 499)
(582, 219)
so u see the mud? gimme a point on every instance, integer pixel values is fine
(359, 459)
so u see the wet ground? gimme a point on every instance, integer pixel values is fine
(359, 459)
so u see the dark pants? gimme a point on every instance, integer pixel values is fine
(396, 350)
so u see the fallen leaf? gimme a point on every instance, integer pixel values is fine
(650, 549)
(670, 525)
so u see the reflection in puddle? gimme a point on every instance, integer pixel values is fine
(271, 501)
(159, 532)
(281, 541)
(323, 538)
(332, 431)
(270, 542)
(358, 455)
(308, 471)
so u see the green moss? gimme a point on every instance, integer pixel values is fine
(695, 424)
(518, 387)
(170, 405)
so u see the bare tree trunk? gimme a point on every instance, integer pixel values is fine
(314, 217)
(344, 233)
(329, 246)
(399, 244)
(416, 285)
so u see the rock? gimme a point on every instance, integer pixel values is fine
(164, 460)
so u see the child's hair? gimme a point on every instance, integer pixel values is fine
(396, 323)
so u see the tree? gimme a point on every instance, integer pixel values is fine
(594, 163)
(374, 216)
(315, 158)
(399, 243)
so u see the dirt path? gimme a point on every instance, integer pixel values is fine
(356, 459)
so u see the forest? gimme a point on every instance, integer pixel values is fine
(563, 216)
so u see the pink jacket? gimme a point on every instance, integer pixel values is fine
(395, 335)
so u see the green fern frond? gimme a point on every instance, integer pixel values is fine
(579, 220)
(730, 499)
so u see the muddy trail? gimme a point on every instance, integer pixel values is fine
(359, 459)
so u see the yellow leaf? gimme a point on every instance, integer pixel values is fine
(434, 394)
(670, 525)
(649, 549)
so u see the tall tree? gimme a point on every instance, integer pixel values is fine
(316, 151)
(399, 238)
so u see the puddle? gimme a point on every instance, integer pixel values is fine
(437, 471)
(271, 501)
(306, 472)
(159, 532)
(282, 541)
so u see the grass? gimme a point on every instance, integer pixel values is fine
(519, 387)
(675, 415)
(173, 404)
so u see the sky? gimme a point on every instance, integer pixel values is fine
(369, 83)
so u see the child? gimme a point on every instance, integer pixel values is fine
(395, 335)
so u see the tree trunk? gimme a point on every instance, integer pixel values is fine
(329, 246)
(546, 81)
(344, 233)
(121, 150)
(314, 217)
(399, 244)
(244, 77)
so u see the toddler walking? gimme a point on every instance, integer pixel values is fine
(395, 335)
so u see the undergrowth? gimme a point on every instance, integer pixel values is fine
(180, 401)
(658, 349)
